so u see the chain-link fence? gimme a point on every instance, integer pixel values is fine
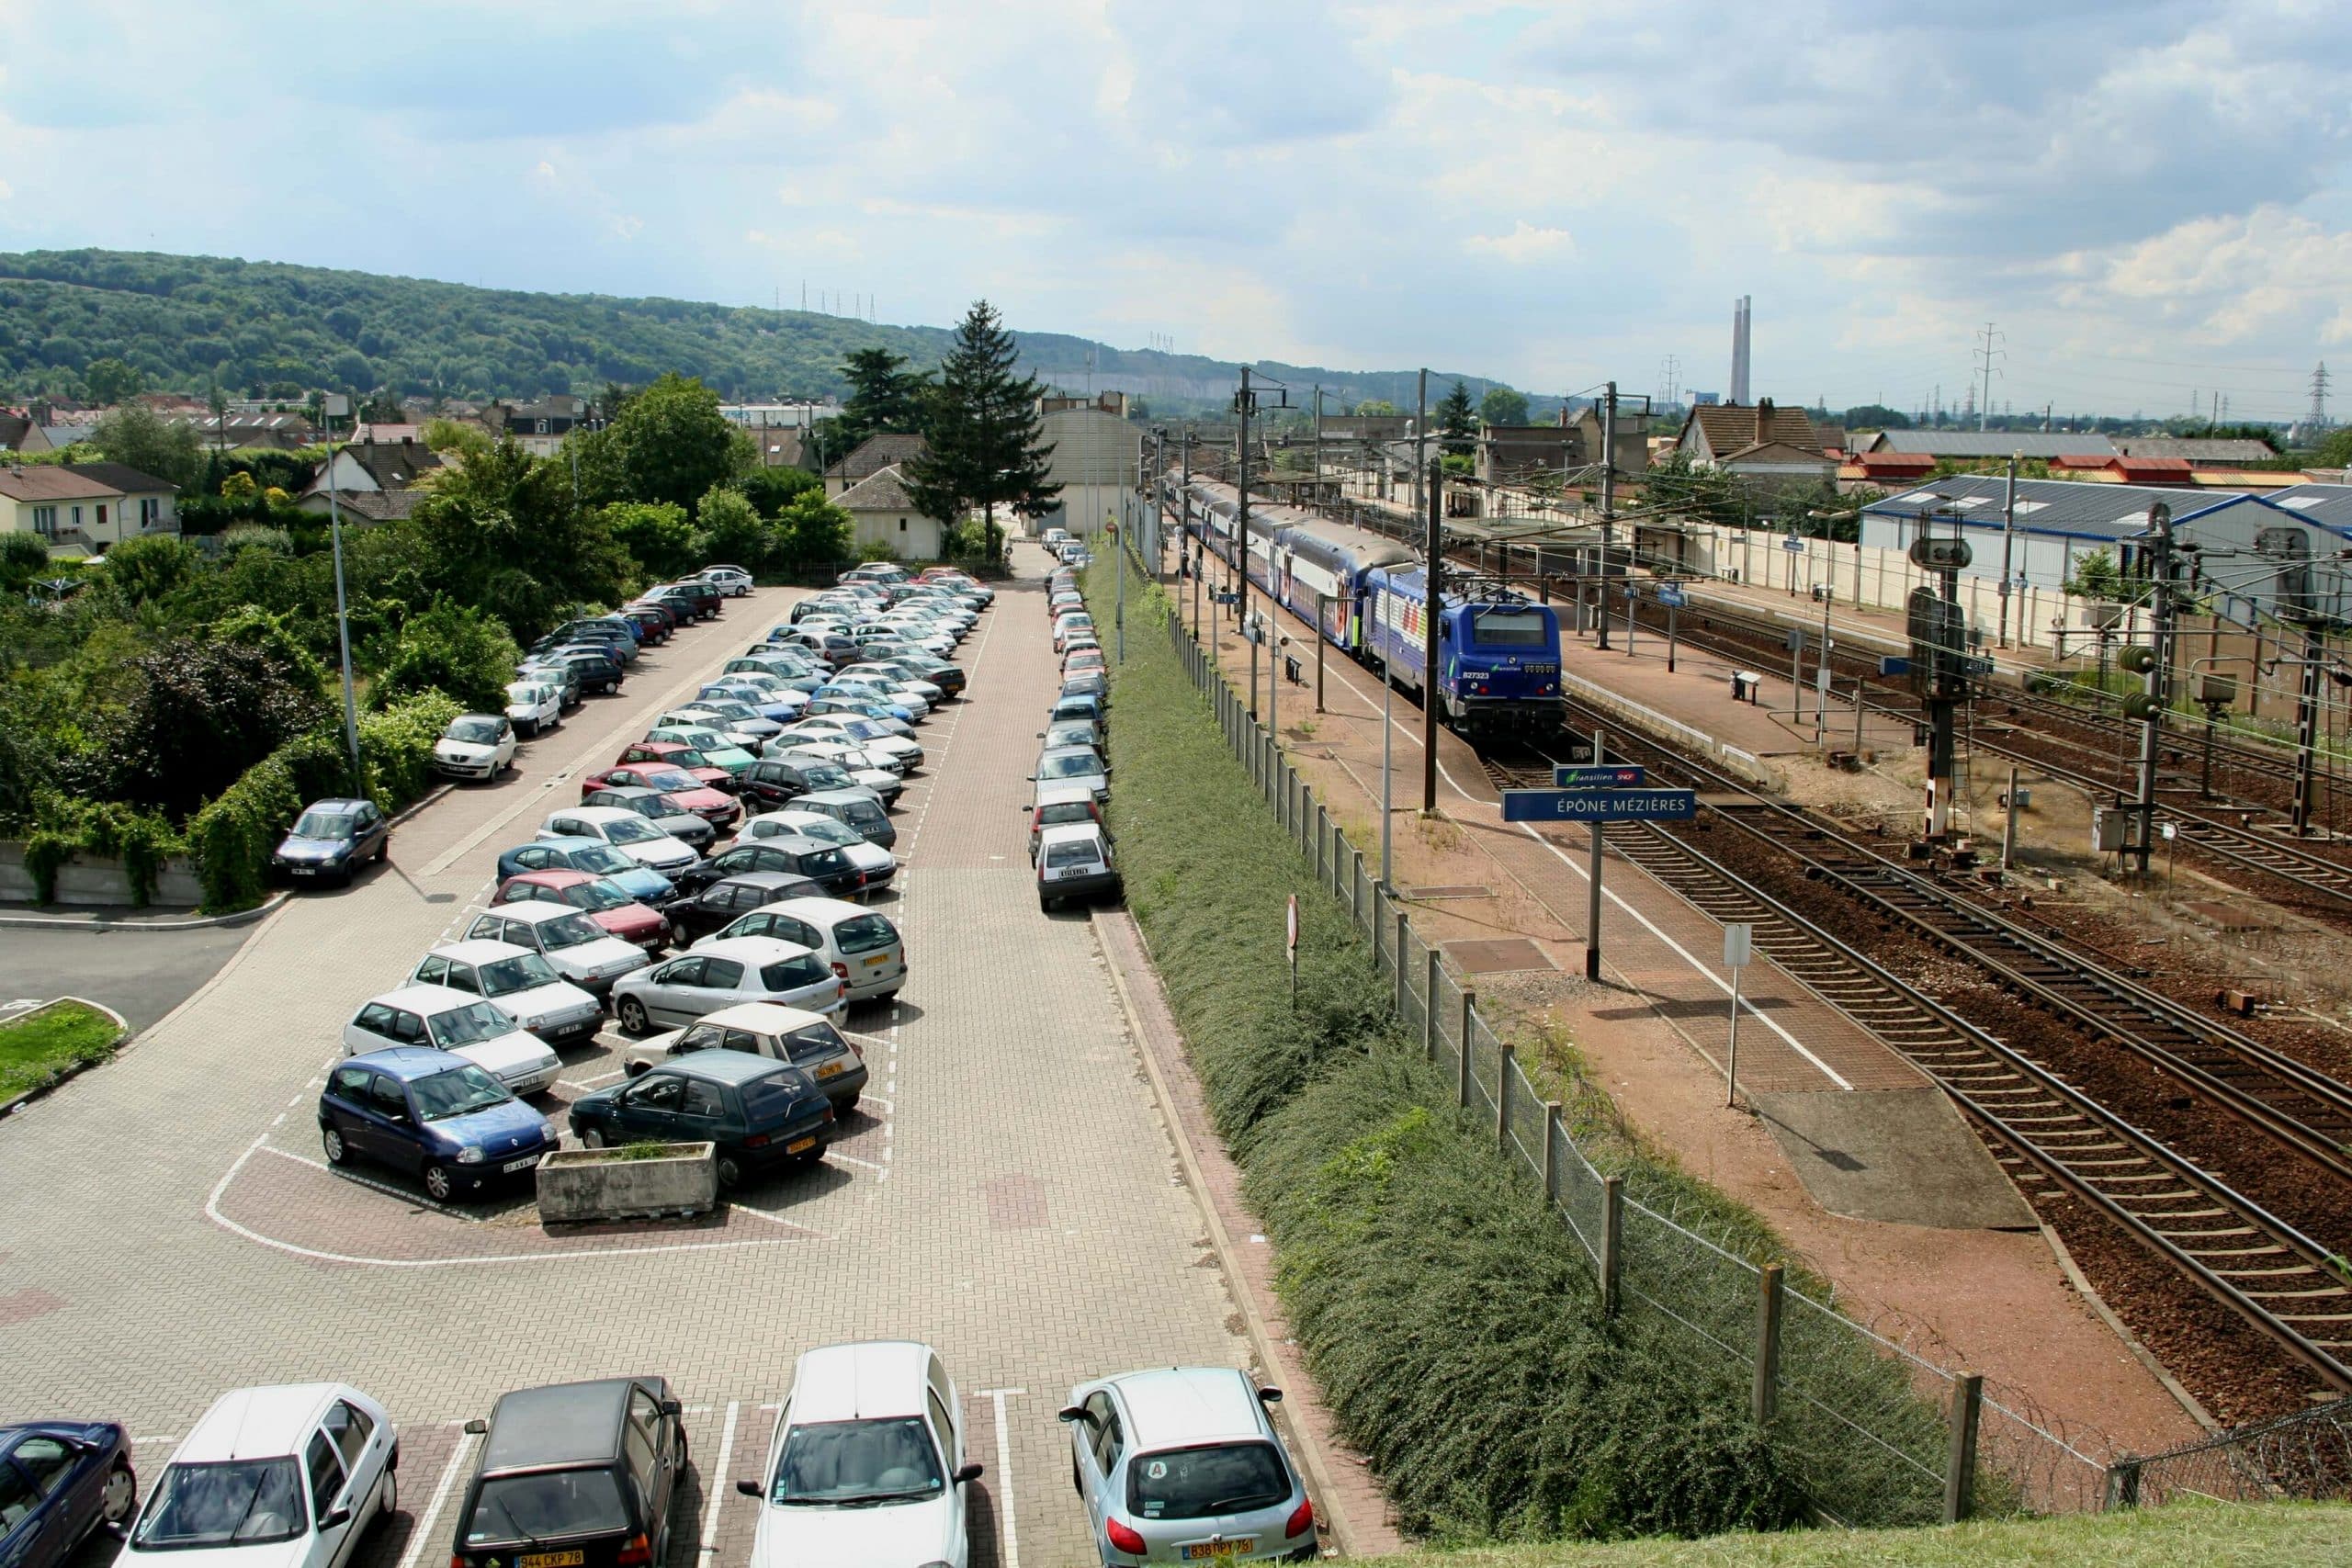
(2305, 1457)
(1875, 1433)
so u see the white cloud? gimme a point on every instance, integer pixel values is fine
(1525, 243)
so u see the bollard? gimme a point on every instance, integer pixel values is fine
(1766, 1396)
(1469, 1008)
(1960, 1461)
(1612, 1241)
(1502, 1101)
(1430, 971)
(1552, 1150)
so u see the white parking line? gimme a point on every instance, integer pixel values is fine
(372, 1185)
(774, 1218)
(852, 1160)
(718, 1489)
(1009, 1549)
(449, 1472)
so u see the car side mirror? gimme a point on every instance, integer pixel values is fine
(968, 1472)
(338, 1515)
(1269, 1396)
(671, 1407)
(1070, 1413)
(748, 1488)
(478, 1426)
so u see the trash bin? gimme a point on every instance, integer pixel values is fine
(1290, 667)
(1743, 685)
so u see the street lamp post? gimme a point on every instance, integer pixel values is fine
(342, 607)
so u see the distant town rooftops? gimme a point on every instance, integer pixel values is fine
(1991, 443)
(876, 453)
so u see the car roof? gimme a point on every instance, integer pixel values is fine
(767, 879)
(427, 999)
(535, 1428)
(257, 1423)
(789, 840)
(752, 949)
(851, 1382)
(1069, 832)
(556, 876)
(840, 797)
(1051, 752)
(475, 950)
(724, 1066)
(533, 911)
(336, 803)
(823, 909)
(593, 814)
(409, 1063)
(1066, 794)
(762, 1018)
(627, 792)
(1174, 1407)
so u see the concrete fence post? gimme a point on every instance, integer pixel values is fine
(1766, 1396)
(1960, 1462)
(1612, 1241)
(1377, 926)
(1552, 1150)
(2122, 1484)
(1502, 1099)
(1430, 968)
(1322, 834)
(1355, 888)
(1397, 956)
(1469, 1011)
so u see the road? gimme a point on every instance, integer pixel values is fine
(142, 975)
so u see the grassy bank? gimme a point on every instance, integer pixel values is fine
(38, 1049)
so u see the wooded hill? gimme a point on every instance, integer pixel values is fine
(179, 319)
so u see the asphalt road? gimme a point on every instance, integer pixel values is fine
(142, 975)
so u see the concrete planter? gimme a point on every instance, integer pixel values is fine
(581, 1185)
(98, 879)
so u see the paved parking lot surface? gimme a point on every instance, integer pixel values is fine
(1006, 1191)
(142, 975)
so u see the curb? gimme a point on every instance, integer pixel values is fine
(10, 1107)
(195, 922)
(1330, 1513)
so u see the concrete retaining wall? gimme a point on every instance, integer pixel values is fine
(98, 879)
(578, 1185)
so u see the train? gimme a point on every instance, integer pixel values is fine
(1498, 652)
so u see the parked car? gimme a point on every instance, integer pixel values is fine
(601, 901)
(847, 766)
(285, 1477)
(581, 950)
(534, 707)
(715, 748)
(878, 865)
(736, 716)
(765, 1029)
(864, 949)
(331, 840)
(731, 581)
(1074, 862)
(872, 734)
(562, 677)
(1181, 1464)
(792, 776)
(594, 670)
(855, 809)
(716, 807)
(576, 1472)
(626, 831)
(61, 1482)
(664, 812)
(475, 746)
(653, 623)
(416, 1108)
(1073, 765)
(459, 1023)
(1085, 706)
(760, 1113)
(1059, 806)
(725, 901)
(867, 1463)
(720, 972)
(675, 758)
(523, 985)
(825, 865)
(774, 702)
(596, 858)
(1072, 732)
(1085, 684)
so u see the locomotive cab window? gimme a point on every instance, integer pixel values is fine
(1509, 629)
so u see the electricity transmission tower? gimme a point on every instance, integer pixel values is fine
(1988, 349)
(2317, 417)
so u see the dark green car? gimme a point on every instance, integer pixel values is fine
(762, 1113)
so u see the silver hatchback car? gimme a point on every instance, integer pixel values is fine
(1181, 1464)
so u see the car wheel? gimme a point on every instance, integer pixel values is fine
(851, 1103)
(439, 1184)
(391, 1499)
(1077, 1481)
(729, 1173)
(330, 1137)
(593, 1138)
(119, 1497)
(631, 1014)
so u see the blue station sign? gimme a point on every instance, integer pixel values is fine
(1673, 598)
(1619, 775)
(1599, 805)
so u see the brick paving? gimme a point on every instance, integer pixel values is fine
(1013, 1199)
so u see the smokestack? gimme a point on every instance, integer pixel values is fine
(1739, 349)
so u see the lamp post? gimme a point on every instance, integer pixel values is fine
(342, 607)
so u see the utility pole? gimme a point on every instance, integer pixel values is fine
(1608, 502)
(1421, 420)
(2307, 725)
(1318, 440)
(1986, 351)
(2156, 669)
(1431, 623)
(342, 615)
(1241, 532)
(2008, 537)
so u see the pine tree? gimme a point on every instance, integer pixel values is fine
(884, 396)
(983, 433)
(1458, 421)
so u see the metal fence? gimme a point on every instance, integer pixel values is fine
(1876, 1433)
(2305, 1457)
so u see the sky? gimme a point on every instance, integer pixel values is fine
(2147, 201)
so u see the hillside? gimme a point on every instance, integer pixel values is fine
(178, 318)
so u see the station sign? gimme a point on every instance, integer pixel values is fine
(1673, 598)
(1219, 596)
(1600, 805)
(1619, 775)
(1792, 543)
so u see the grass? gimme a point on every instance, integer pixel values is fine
(41, 1047)
(2280, 1534)
(644, 1148)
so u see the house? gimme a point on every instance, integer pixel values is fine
(869, 457)
(13, 428)
(374, 466)
(2203, 451)
(1712, 432)
(1884, 470)
(1096, 455)
(1367, 426)
(1779, 466)
(364, 505)
(538, 427)
(1514, 454)
(387, 432)
(883, 514)
(87, 506)
(1990, 445)
(279, 429)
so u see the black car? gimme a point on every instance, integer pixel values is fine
(576, 1472)
(759, 1111)
(779, 781)
(819, 861)
(331, 840)
(598, 668)
(722, 903)
(61, 1482)
(700, 600)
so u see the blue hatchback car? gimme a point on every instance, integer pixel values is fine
(437, 1114)
(571, 853)
(59, 1482)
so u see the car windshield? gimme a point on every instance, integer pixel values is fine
(825, 831)
(460, 1091)
(848, 1462)
(602, 859)
(550, 1505)
(689, 758)
(863, 728)
(629, 830)
(471, 1024)
(825, 775)
(1070, 765)
(792, 974)
(526, 692)
(864, 814)
(1507, 628)
(596, 897)
(864, 933)
(241, 1503)
(521, 973)
(475, 732)
(1192, 1484)
(673, 779)
(317, 824)
(569, 931)
(1077, 852)
(658, 805)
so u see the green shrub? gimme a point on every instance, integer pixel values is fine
(451, 649)
(396, 746)
(64, 825)
(232, 836)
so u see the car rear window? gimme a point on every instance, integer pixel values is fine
(791, 973)
(1192, 1484)
(1068, 811)
(864, 933)
(815, 1042)
(1079, 853)
(770, 1099)
(546, 1506)
(570, 930)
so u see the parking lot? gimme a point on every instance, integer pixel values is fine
(1005, 1191)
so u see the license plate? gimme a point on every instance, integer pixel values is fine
(1209, 1551)
(548, 1560)
(304, 870)
(798, 1146)
(833, 1069)
(878, 958)
(510, 1167)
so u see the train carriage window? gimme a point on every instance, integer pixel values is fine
(1509, 629)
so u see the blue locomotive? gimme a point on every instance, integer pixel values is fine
(1499, 653)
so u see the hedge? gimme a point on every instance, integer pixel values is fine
(65, 826)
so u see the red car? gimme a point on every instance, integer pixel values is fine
(714, 807)
(684, 758)
(605, 904)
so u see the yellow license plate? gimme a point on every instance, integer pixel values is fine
(878, 958)
(799, 1145)
(830, 1069)
(549, 1560)
(1209, 1551)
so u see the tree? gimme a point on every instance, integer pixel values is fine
(1457, 421)
(883, 396)
(810, 532)
(1875, 416)
(1502, 406)
(730, 528)
(983, 435)
(383, 408)
(137, 438)
(502, 533)
(450, 649)
(446, 435)
(23, 557)
(2336, 451)
(671, 442)
(655, 533)
(112, 381)
(149, 568)
(199, 712)
(772, 490)
(1375, 406)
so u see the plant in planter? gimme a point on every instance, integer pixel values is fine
(637, 1180)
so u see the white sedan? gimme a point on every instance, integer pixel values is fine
(533, 706)
(475, 746)
(285, 1477)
